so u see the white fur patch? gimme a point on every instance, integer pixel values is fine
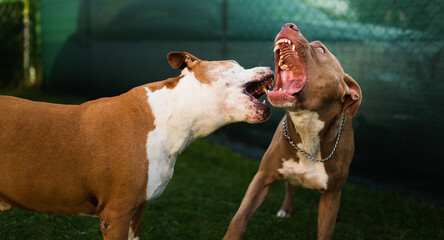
(177, 125)
(306, 172)
(282, 214)
(190, 110)
(131, 235)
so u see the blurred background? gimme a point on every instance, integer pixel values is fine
(393, 49)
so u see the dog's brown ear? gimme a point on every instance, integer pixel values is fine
(352, 98)
(180, 60)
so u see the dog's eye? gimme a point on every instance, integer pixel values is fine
(320, 49)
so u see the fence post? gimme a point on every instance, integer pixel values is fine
(25, 82)
(224, 28)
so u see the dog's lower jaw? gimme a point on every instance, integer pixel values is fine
(261, 113)
(281, 99)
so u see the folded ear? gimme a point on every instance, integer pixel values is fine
(352, 98)
(180, 60)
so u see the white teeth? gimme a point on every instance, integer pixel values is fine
(281, 61)
(276, 48)
(263, 102)
(283, 40)
(280, 89)
(284, 67)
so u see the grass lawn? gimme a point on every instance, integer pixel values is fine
(207, 187)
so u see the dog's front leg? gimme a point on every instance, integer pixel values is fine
(135, 225)
(115, 222)
(328, 211)
(255, 195)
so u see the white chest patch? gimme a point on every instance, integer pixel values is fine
(178, 122)
(307, 173)
(161, 160)
(160, 165)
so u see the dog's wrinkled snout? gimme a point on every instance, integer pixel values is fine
(290, 26)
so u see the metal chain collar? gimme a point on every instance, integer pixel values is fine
(285, 131)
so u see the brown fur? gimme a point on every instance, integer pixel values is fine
(330, 93)
(169, 83)
(79, 159)
(203, 70)
(78, 147)
(92, 158)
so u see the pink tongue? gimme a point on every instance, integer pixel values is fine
(290, 84)
(293, 86)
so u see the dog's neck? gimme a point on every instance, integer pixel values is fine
(313, 131)
(308, 125)
(186, 112)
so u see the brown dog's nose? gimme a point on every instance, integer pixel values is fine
(291, 26)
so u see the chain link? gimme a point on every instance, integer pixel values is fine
(285, 131)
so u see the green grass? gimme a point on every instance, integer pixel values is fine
(207, 187)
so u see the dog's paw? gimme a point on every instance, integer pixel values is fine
(4, 207)
(283, 214)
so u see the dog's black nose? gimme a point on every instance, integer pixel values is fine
(291, 26)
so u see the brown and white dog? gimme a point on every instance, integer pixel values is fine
(317, 95)
(110, 156)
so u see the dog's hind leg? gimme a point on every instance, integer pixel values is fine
(4, 207)
(287, 206)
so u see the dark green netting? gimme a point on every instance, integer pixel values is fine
(394, 49)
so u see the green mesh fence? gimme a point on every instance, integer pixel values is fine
(11, 43)
(393, 48)
(20, 63)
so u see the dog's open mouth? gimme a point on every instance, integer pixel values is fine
(256, 89)
(290, 72)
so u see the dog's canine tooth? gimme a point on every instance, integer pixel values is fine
(284, 40)
(276, 48)
(294, 47)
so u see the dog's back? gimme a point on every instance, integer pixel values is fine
(43, 143)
